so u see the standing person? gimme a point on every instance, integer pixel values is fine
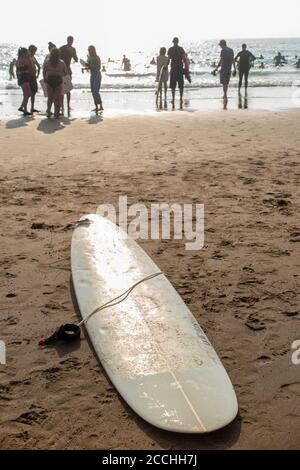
(50, 47)
(94, 66)
(177, 57)
(278, 60)
(36, 68)
(162, 75)
(226, 63)
(244, 59)
(67, 53)
(24, 73)
(54, 71)
(126, 66)
(12, 69)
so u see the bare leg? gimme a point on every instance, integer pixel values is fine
(181, 98)
(69, 102)
(165, 89)
(225, 89)
(32, 102)
(173, 98)
(56, 110)
(50, 101)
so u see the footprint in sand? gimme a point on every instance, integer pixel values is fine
(11, 296)
(264, 360)
(32, 417)
(255, 323)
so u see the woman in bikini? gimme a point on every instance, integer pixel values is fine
(24, 73)
(54, 71)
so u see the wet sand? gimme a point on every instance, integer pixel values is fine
(243, 287)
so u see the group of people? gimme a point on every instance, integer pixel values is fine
(57, 76)
(57, 73)
(179, 69)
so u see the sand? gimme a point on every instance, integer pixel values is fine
(243, 287)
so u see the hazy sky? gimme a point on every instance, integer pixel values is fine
(115, 26)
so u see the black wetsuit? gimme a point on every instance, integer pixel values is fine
(246, 57)
(176, 54)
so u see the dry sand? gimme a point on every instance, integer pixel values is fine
(243, 287)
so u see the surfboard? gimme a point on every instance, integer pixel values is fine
(151, 346)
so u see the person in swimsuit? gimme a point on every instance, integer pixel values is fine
(54, 71)
(162, 73)
(67, 54)
(94, 66)
(24, 72)
(177, 58)
(244, 59)
(36, 68)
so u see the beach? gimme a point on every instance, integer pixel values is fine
(242, 287)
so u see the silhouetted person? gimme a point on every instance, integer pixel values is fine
(54, 72)
(177, 58)
(226, 63)
(278, 60)
(67, 53)
(12, 66)
(126, 65)
(162, 76)
(24, 72)
(33, 81)
(244, 59)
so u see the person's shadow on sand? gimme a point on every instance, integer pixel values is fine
(50, 126)
(16, 123)
(95, 119)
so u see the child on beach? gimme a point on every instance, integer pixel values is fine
(162, 75)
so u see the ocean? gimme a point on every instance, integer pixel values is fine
(141, 78)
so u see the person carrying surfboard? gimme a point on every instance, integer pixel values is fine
(162, 75)
(177, 58)
(67, 53)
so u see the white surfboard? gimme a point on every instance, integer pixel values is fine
(151, 346)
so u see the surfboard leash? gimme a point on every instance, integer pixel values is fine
(71, 332)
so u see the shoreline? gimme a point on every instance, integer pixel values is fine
(131, 102)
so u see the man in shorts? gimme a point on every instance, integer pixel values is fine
(177, 58)
(67, 53)
(226, 63)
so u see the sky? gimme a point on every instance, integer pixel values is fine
(116, 26)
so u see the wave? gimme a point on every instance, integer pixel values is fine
(144, 87)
